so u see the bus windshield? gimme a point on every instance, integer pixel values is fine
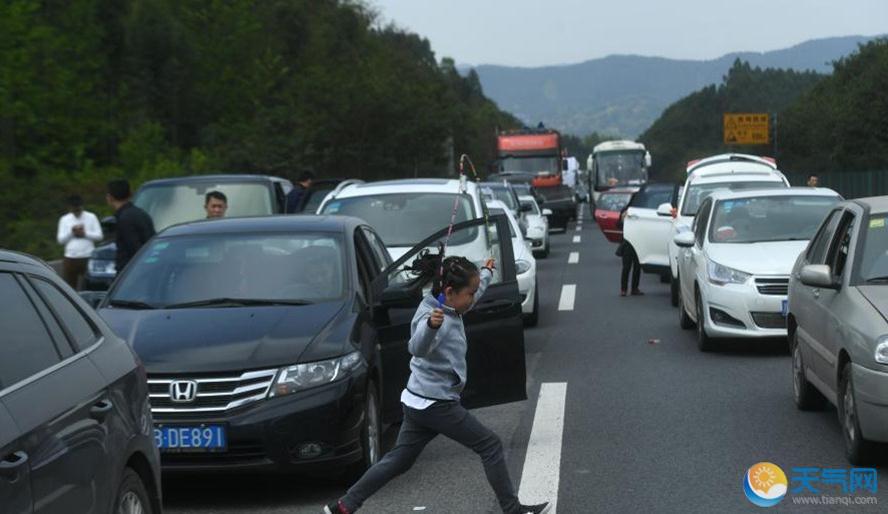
(620, 169)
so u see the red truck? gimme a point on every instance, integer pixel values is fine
(534, 156)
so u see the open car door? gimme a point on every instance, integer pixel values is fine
(494, 329)
(648, 229)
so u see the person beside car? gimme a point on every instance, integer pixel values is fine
(813, 180)
(297, 194)
(78, 232)
(134, 226)
(216, 204)
(630, 260)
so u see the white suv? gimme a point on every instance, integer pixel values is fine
(734, 172)
(735, 262)
(405, 212)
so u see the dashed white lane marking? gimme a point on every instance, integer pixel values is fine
(576, 239)
(568, 296)
(542, 465)
(573, 258)
(579, 227)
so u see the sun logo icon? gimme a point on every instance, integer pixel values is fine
(765, 484)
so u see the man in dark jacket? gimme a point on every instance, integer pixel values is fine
(297, 195)
(134, 226)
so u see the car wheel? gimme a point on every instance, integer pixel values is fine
(704, 342)
(674, 288)
(857, 449)
(684, 321)
(665, 277)
(545, 250)
(132, 497)
(806, 396)
(533, 318)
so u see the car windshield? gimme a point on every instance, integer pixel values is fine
(406, 219)
(522, 189)
(505, 195)
(874, 249)
(534, 209)
(169, 204)
(769, 218)
(697, 193)
(302, 266)
(620, 168)
(613, 201)
(550, 164)
(651, 198)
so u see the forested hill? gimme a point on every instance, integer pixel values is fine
(624, 94)
(825, 123)
(92, 89)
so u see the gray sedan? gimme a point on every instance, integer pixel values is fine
(838, 302)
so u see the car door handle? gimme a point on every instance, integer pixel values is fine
(100, 410)
(10, 465)
(632, 216)
(494, 306)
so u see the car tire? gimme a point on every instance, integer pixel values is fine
(684, 321)
(532, 319)
(665, 277)
(132, 496)
(674, 287)
(806, 396)
(704, 342)
(545, 250)
(371, 437)
(858, 450)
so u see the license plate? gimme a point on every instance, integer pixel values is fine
(784, 308)
(191, 438)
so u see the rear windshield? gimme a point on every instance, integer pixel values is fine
(695, 194)
(405, 219)
(178, 203)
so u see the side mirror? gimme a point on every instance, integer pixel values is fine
(93, 298)
(817, 275)
(684, 239)
(665, 210)
(547, 212)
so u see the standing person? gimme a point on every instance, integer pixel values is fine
(630, 261)
(431, 400)
(134, 226)
(813, 180)
(216, 204)
(294, 197)
(78, 232)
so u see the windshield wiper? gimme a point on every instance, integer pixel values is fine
(130, 304)
(233, 302)
(877, 280)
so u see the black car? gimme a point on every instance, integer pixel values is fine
(176, 200)
(280, 343)
(75, 422)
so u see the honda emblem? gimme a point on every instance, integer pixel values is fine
(183, 391)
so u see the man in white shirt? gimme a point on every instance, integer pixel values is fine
(78, 232)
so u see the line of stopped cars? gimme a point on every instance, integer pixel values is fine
(749, 257)
(260, 343)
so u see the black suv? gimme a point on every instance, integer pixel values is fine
(177, 200)
(280, 342)
(75, 422)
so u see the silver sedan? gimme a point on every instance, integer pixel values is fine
(838, 303)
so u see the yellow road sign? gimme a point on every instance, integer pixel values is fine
(746, 128)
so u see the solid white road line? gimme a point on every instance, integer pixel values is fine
(542, 465)
(576, 239)
(573, 258)
(568, 296)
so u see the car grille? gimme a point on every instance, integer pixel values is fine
(772, 286)
(216, 393)
(769, 319)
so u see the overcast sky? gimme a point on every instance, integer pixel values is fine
(541, 32)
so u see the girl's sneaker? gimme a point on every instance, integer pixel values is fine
(336, 508)
(542, 508)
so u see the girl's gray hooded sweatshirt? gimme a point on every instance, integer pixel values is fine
(438, 366)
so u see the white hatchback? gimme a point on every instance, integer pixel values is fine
(735, 262)
(537, 226)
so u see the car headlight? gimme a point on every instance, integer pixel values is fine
(522, 266)
(722, 275)
(312, 374)
(102, 267)
(882, 350)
